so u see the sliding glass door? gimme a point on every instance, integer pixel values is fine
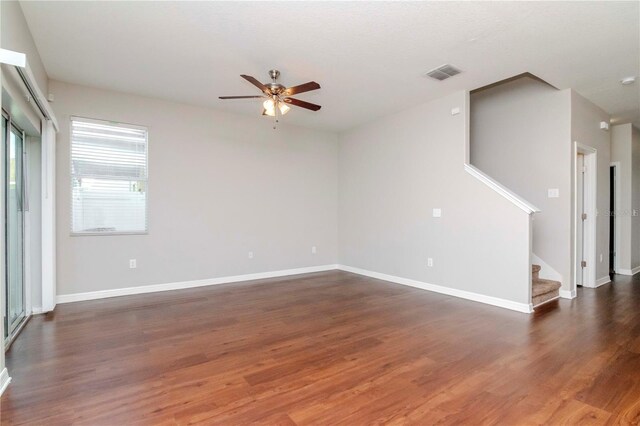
(13, 148)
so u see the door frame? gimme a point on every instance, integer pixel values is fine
(590, 196)
(13, 329)
(616, 222)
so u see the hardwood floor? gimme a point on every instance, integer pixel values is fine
(328, 348)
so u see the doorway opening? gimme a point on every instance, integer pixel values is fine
(20, 218)
(614, 207)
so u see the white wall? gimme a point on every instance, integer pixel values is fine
(635, 202)
(625, 149)
(2, 261)
(621, 153)
(394, 171)
(16, 36)
(585, 129)
(520, 135)
(220, 185)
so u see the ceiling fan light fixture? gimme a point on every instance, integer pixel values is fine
(269, 104)
(284, 108)
(278, 97)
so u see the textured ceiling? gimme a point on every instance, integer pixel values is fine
(369, 57)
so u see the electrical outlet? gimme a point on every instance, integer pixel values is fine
(314, 250)
(553, 193)
(133, 264)
(250, 255)
(437, 212)
(430, 262)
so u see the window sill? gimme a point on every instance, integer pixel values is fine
(106, 234)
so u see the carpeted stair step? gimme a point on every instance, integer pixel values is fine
(544, 290)
(535, 271)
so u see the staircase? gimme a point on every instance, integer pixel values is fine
(543, 291)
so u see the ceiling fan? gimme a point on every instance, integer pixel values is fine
(277, 97)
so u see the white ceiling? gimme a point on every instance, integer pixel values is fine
(369, 57)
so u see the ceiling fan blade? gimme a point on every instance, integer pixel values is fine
(302, 104)
(240, 97)
(307, 87)
(255, 82)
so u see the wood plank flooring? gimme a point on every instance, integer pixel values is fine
(328, 348)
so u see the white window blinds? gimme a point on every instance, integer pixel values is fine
(108, 177)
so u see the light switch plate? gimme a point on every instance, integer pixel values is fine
(437, 212)
(455, 111)
(553, 193)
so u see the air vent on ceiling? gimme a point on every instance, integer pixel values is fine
(443, 72)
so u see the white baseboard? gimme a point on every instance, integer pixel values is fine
(36, 311)
(489, 300)
(568, 294)
(102, 294)
(598, 283)
(628, 271)
(603, 281)
(4, 380)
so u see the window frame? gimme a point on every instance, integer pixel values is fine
(73, 233)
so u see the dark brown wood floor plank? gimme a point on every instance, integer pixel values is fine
(328, 348)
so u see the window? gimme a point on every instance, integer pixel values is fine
(108, 177)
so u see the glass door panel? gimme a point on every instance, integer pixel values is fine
(14, 228)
